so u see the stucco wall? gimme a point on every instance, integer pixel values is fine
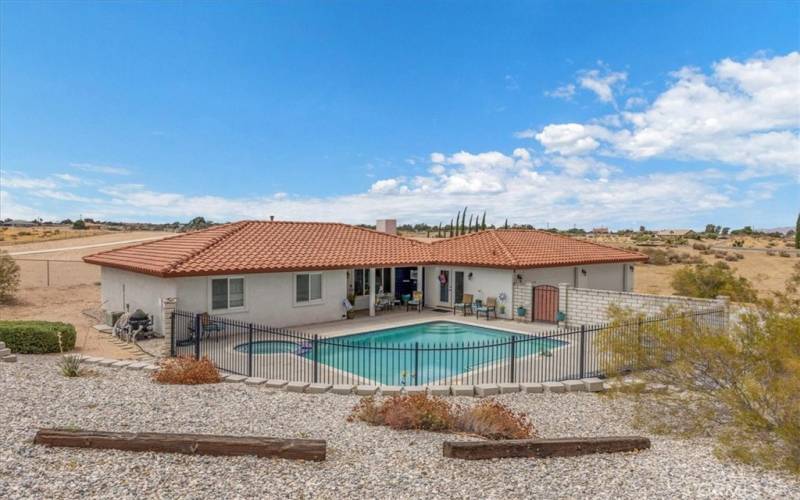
(126, 291)
(269, 299)
(485, 283)
(598, 276)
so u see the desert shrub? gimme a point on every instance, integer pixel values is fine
(186, 371)
(656, 256)
(70, 365)
(9, 277)
(771, 253)
(493, 420)
(700, 246)
(37, 337)
(739, 255)
(731, 258)
(488, 418)
(79, 224)
(784, 253)
(738, 382)
(720, 254)
(707, 281)
(738, 243)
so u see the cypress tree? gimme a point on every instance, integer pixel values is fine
(451, 228)
(458, 217)
(505, 226)
(483, 221)
(797, 233)
(464, 221)
(470, 223)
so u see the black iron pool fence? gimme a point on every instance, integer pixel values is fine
(256, 350)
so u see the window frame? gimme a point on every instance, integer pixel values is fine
(228, 279)
(310, 301)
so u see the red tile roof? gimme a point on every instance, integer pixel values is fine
(256, 247)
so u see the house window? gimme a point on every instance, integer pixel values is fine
(227, 293)
(308, 288)
(361, 282)
(383, 280)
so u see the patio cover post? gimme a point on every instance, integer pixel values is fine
(419, 278)
(372, 286)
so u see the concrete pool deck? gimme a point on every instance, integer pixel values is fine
(399, 317)
(558, 363)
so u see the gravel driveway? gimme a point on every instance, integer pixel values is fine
(363, 461)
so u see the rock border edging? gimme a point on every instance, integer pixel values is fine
(591, 384)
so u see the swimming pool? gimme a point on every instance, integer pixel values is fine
(416, 354)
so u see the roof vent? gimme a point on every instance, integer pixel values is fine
(271, 218)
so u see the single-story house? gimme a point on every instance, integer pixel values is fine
(675, 233)
(292, 273)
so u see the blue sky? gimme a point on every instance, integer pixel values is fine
(549, 113)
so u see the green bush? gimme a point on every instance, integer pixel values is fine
(707, 281)
(37, 337)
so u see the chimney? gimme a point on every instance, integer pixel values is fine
(271, 218)
(388, 226)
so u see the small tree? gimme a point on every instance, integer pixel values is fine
(505, 225)
(707, 281)
(79, 224)
(9, 277)
(737, 381)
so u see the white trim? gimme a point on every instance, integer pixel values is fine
(210, 281)
(314, 302)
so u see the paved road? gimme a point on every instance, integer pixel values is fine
(64, 249)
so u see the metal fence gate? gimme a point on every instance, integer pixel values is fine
(545, 303)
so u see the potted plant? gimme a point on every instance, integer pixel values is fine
(502, 309)
(521, 311)
(351, 313)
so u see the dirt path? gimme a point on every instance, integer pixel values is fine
(82, 247)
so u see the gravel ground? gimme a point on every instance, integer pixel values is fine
(363, 461)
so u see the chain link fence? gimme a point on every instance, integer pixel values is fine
(37, 273)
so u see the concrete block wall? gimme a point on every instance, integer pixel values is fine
(588, 306)
(523, 296)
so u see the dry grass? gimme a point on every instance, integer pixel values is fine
(20, 235)
(488, 418)
(767, 272)
(186, 371)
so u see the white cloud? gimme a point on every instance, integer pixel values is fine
(437, 158)
(563, 92)
(100, 169)
(571, 138)
(602, 82)
(561, 190)
(22, 181)
(384, 186)
(744, 113)
(528, 133)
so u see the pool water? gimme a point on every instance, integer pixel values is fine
(427, 352)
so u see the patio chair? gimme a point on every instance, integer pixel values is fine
(416, 301)
(489, 306)
(465, 305)
(209, 327)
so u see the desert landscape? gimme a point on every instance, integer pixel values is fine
(74, 292)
